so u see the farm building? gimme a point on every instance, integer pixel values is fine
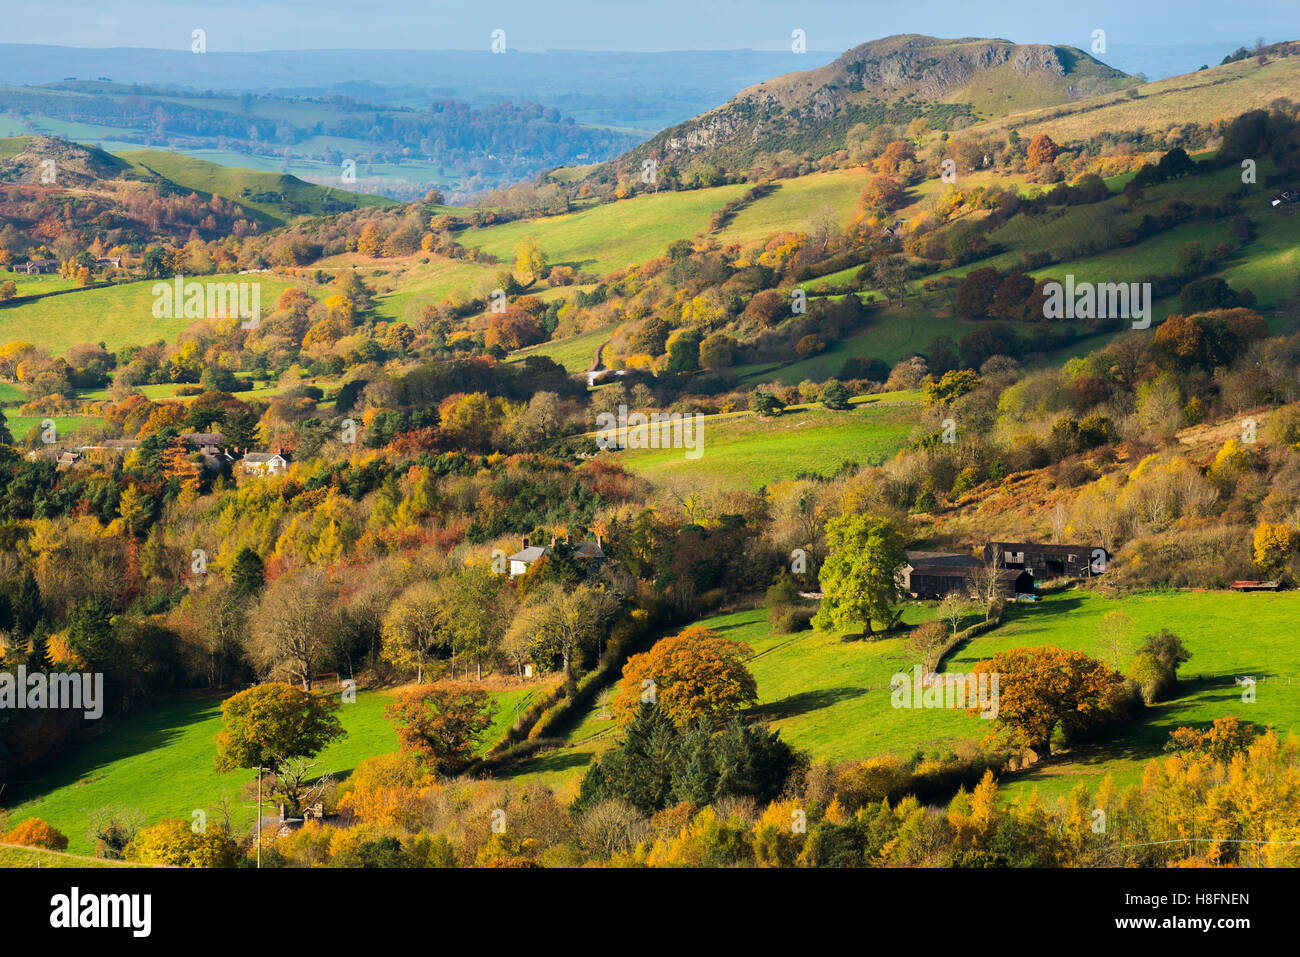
(936, 574)
(1046, 562)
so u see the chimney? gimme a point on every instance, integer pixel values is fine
(552, 541)
(568, 539)
(525, 541)
(599, 544)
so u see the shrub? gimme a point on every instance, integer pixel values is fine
(790, 619)
(34, 832)
(835, 396)
(173, 843)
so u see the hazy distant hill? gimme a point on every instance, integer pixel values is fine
(640, 91)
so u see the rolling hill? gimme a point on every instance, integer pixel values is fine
(895, 80)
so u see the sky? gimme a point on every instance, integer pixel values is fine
(642, 25)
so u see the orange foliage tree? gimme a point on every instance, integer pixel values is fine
(1040, 689)
(34, 832)
(693, 674)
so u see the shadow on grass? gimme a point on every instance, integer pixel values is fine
(803, 703)
(549, 762)
(111, 740)
(1144, 737)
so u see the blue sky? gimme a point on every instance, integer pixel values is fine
(833, 25)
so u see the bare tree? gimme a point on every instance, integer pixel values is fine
(952, 609)
(986, 581)
(294, 622)
(562, 621)
(1113, 632)
(222, 629)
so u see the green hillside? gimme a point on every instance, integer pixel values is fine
(748, 452)
(274, 198)
(118, 316)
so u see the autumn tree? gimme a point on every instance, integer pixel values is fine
(479, 605)
(270, 727)
(926, 638)
(174, 843)
(564, 622)
(858, 577)
(440, 724)
(1042, 689)
(1041, 150)
(295, 621)
(530, 262)
(696, 673)
(369, 242)
(34, 832)
(416, 624)
(1112, 630)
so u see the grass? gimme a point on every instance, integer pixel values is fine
(742, 450)
(830, 695)
(1219, 93)
(793, 201)
(575, 353)
(296, 197)
(12, 855)
(1228, 633)
(611, 236)
(160, 762)
(117, 316)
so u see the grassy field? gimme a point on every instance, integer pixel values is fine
(125, 764)
(116, 315)
(1228, 633)
(742, 450)
(244, 186)
(793, 201)
(830, 695)
(35, 285)
(1205, 96)
(11, 855)
(575, 353)
(608, 237)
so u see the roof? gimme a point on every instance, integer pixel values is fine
(581, 550)
(204, 438)
(1046, 549)
(963, 572)
(260, 457)
(942, 558)
(531, 553)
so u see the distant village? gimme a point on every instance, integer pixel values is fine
(211, 445)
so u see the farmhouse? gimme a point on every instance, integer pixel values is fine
(38, 266)
(1046, 562)
(265, 463)
(583, 551)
